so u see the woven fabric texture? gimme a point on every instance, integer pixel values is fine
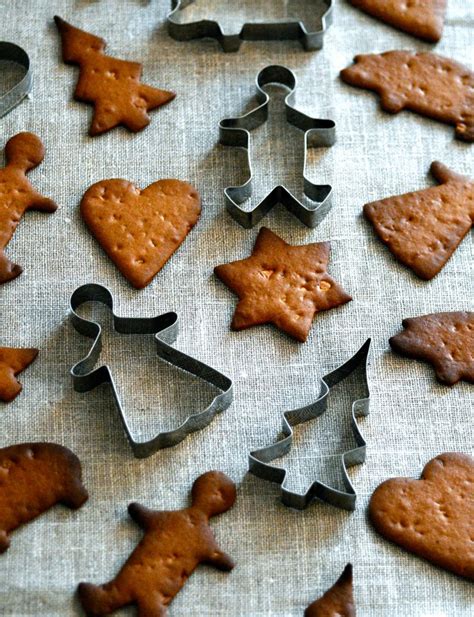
(285, 559)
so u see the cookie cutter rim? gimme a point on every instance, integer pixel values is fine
(276, 30)
(165, 329)
(317, 133)
(13, 97)
(259, 459)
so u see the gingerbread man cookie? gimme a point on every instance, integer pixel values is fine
(23, 152)
(12, 362)
(33, 478)
(174, 544)
(113, 86)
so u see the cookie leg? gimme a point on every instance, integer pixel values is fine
(8, 270)
(99, 600)
(150, 606)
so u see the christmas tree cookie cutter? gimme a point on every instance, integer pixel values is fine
(259, 459)
(278, 30)
(10, 99)
(165, 329)
(318, 133)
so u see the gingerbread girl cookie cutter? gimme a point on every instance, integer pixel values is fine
(165, 329)
(318, 133)
(259, 460)
(277, 30)
(10, 99)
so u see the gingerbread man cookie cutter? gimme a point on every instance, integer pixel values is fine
(278, 30)
(318, 133)
(10, 99)
(165, 329)
(259, 459)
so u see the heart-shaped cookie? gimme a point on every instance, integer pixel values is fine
(140, 229)
(432, 517)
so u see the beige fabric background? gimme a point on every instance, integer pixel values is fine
(285, 558)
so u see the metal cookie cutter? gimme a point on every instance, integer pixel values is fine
(259, 459)
(318, 133)
(14, 53)
(165, 329)
(272, 31)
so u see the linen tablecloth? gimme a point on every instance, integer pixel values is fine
(285, 558)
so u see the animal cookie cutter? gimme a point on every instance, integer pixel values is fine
(165, 329)
(278, 30)
(259, 459)
(11, 98)
(318, 133)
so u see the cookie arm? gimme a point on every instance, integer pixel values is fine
(144, 517)
(220, 560)
(43, 204)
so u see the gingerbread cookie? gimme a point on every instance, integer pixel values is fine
(111, 85)
(23, 152)
(140, 229)
(425, 83)
(445, 340)
(12, 362)
(282, 284)
(33, 478)
(424, 228)
(337, 601)
(432, 517)
(174, 544)
(421, 18)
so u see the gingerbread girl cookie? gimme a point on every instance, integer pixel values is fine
(23, 152)
(174, 544)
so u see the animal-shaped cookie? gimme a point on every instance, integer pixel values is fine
(140, 229)
(421, 18)
(174, 544)
(12, 362)
(23, 152)
(338, 601)
(113, 86)
(423, 229)
(445, 340)
(33, 478)
(425, 83)
(432, 517)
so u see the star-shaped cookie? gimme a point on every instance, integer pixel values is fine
(282, 284)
